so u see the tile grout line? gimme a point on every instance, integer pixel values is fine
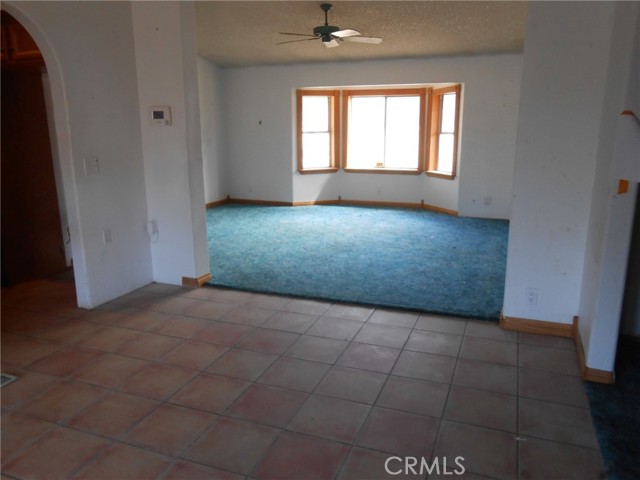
(446, 402)
(373, 404)
(346, 457)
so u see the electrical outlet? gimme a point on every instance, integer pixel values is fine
(532, 296)
(106, 237)
(487, 200)
(91, 165)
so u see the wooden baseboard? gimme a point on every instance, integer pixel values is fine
(421, 205)
(315, 202)
(190, 282)
(560, 330)
(433, 208)
(587, 373)
(246, 201)
(338, 201)
(537, 326)
(218, 203)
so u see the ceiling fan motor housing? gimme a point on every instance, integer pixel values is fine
(325, 30)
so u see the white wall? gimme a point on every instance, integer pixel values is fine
(257, 142)
(563, 81)
(609, 237)
(576, 69)
(260, 132)
(165, 48)
(212, 122)
(92, 70)
(631, 307)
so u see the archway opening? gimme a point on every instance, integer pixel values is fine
(35, 239)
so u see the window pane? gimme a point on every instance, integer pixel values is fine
(448, 122)
(445, 152)
(365, 144)
(316, 150)
(315, 114)
(403, 132)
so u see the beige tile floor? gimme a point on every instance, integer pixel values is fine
(168, 383)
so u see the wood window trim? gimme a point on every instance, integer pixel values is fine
(334, 128)
(435, 101)
(430, 111)
(425, 95)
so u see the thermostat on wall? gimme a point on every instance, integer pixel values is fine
(160, 116)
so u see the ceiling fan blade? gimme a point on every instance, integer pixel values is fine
(345, 33)
(294, 41)
(372, 40)
(331, 44)
(298, 34)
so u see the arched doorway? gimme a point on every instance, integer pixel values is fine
(33, 244)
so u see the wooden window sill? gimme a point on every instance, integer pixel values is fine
(436, 174)
(319, 170)
(383, 171)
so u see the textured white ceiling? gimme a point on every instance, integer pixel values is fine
(242, 33)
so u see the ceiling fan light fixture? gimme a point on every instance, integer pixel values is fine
(331, 43)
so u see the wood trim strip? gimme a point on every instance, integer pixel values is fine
(365, 203)
(383, 92)
(436, 174)
(190, 282)
(560, 330)
(587, 373)
(623, 186)
(433, 208)
(217, 203)
(422, 205)
(319, 170)
(536, 326)
(338, 201)
(260, 202)
(630, 112)
(315, 202)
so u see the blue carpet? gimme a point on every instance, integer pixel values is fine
(615, 410)
(390, 257)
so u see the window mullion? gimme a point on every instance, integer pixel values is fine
(384, 136)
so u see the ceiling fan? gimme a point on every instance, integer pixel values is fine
(330, 34)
